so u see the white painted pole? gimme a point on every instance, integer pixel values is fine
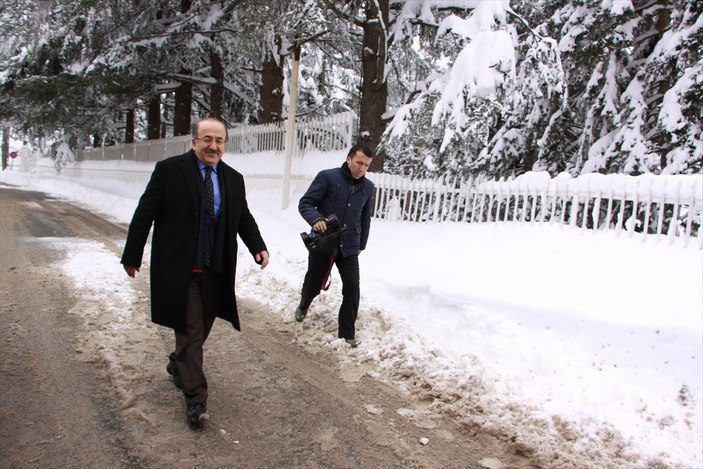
(290, 133)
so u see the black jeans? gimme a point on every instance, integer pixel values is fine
(348, 268)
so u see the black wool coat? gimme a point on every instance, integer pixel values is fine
(172, 202)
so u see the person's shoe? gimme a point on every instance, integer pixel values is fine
(353, 342)
(196, 413)
(171, 370)
(302, 310)
(300, 314)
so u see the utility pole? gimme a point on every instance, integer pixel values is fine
(290, 133)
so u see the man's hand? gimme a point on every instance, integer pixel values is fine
(262, 258)
(320, 226)
(131, 270)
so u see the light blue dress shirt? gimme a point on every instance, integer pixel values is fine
(215, 184)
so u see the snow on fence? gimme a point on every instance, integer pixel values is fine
(661, 205)
(147, 151)
(331, 133)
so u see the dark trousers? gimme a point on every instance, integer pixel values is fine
(348, 268)
(204, 294)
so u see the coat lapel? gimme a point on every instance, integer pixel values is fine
(189, 168)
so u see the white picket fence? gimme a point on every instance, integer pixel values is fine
(331, 133)
(147, 151)
(668, 207)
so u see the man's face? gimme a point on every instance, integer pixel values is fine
(358, 164)
(209, 145)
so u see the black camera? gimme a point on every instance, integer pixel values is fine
(317, 241)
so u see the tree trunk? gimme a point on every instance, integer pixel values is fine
(662, 24)
(129, 126)
(322, 77)
(530, 158)
(182, 107)
(374, 88)
(183, 96)
(656, 17)
(271, 91)
(217, 89)
(5, 147)
(153, 126)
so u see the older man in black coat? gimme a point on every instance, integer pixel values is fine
(197, 205)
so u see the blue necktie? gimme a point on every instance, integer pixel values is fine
(209, 192)
(209, 198)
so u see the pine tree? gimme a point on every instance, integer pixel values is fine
(676, 64)
(465, 109)
(537, 94)
(478, 87)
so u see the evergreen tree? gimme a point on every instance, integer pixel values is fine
(465, 98)
(533, 99)
(468, 87)
(676, 64)
(599, 86)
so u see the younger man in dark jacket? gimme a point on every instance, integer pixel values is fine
(346, 193)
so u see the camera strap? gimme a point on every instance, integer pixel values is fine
(327, 280)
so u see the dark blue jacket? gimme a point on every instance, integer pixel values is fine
(335, 191)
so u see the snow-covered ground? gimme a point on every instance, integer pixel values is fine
(577, 346)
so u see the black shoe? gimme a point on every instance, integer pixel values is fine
(302, 310)
(300, 314)
(196, 413)
(171, 369)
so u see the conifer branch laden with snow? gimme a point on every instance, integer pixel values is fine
(459, 87)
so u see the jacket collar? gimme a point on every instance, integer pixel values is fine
(347, 173)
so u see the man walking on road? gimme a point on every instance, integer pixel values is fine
(348, 195)
(197, 205)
